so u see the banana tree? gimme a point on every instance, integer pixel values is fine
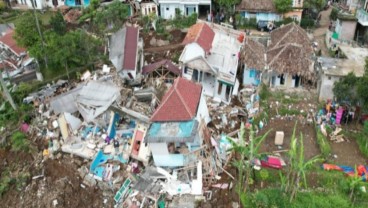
(298, 165)
(245, 152)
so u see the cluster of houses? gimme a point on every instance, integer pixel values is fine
(262, 10)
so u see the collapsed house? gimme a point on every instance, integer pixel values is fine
(211, 57)
(287, 61)
(173, 134)
(126, 52)
(163, 70)
(15, 61)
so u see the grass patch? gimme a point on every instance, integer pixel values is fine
(19, 142)
(283, 111)
(273, 197)
(323, 144)
(362, 139)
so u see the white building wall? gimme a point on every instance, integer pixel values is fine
(42, 4)
(327, 86)
(203, 111)
(168, 10)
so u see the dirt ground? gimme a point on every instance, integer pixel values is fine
(61, 183)
(172, 51)
(287, 126)
(320, 32)
(347, 153)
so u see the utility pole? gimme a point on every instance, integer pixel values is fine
(5, 89)
(39, 31)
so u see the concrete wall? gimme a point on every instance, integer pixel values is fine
(162, 158)
(41, 4)
(202, 111)
(326, 86)
(247, 80)
(296, 14)
(147, 8)
(345, 29)
(288, 83)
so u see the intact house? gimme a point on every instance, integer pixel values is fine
(331, 70)
(15, 63)
(289, 57)
(346, 25)
(211, 57)
(126, 52)
(40, 4)
(173, 135)
(148, 6)
(169, 8)
(265, 10)
(285, 62)
(253, 59)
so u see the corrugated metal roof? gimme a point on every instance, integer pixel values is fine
(130, 48)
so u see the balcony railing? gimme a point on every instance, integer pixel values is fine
(362, 17)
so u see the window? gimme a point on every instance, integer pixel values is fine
(185, 70)
(219, 88)
(167, 8)
(228, 90)
(329, 77)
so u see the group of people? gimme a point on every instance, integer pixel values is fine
(333, 113)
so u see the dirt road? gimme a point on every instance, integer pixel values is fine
(320, 32)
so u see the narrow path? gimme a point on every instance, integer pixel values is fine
(320, 32)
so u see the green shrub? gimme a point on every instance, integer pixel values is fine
(2, 6)
(285, 21)
(334, 13)
(283, 111)
(5, 182)
(264, 93)
(19, 142)
(307, 23)
(323, 144)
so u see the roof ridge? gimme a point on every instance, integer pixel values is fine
(162, 103)
(200, 32)
(182, 99)
(283, 37)
(277, 56)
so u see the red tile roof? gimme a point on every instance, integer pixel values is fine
(180, 103)
(9, 41)
(167, 64)
(130, 48)
(202, 34)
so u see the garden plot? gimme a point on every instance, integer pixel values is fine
(284, 109)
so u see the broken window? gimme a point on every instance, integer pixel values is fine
(219, 88)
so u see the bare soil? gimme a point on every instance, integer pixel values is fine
(61, 183)
(172, 51)
(287, 126)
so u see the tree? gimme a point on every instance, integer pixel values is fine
(26, 33)
(58, 23)
(298, 165)
(112, 17)
(228, 4)
(314, 4)
(283, 6)
(345, 89)
(246, 153)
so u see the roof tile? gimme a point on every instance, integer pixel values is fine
(180, 103)
(130, 48)
(202, 34)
